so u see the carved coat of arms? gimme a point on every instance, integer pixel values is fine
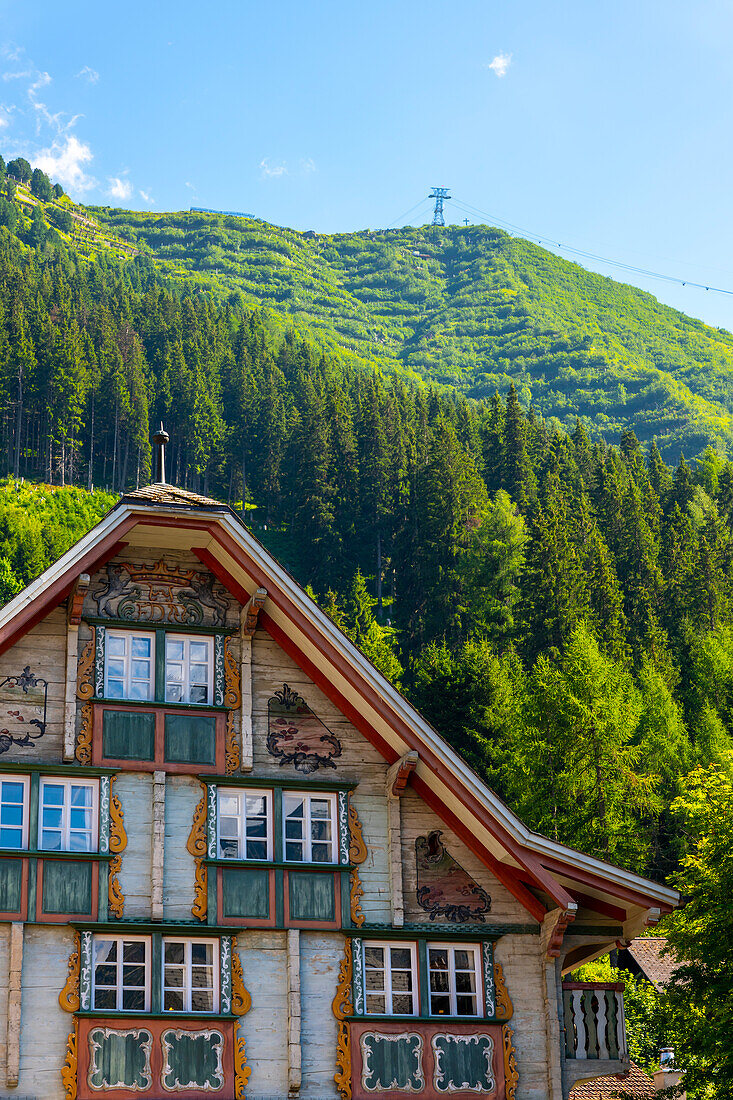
(296, 735)
(161, 593)
(444, 889)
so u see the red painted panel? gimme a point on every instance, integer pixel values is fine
(156, 1028)
(426, 1029)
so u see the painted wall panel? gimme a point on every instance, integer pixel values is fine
(320, 954)
(43, 651)
(263, 957)
(182, 795)
(45, 1027)
(135, 792)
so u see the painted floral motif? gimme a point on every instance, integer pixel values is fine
(297, 736)
(444, 889)
(225, 947)
(85, 973)
(23, 707)
(489, 986)
(161, 593)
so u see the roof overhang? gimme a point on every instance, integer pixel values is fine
(539, 872)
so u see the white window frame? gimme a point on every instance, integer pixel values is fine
(129, 635)
(25, 780)
(241, 793)
(187, 987)
(67, 782)
(121, 940)
(451, 948)
(388, 945)
(308, 796)
(206, 639)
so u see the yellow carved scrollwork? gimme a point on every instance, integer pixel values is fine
(83, 750)
(233, 757)
(232, 687)
(69, 995)
(241, 1069)
(511, 1073)
(84, 669)
(357, 848)
(342, 1006)
(196, 845)
(241, 999)
(68, 1070)
(117, 845)
(504, 1006)
(357, 893)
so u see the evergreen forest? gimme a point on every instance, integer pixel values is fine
(556, 599)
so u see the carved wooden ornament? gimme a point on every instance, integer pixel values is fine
(357, 854)
(85, 668)
(241, 998)
(342, 1006)
(504, 1006)
(117, 845)
(241, 1069)
(511, 1073)
(68, 1070)
(196, 845)
(69, 995)
(232, 700)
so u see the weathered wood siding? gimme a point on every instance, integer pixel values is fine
(265, 1029)
(182, 795)
(135, 792)
(43, 651)
(45, 1027)
(320, 955)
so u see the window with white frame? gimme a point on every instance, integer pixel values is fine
(453, 979)
(190, 975)
(68, 810)
(189, 669)
(309, 823)
(390, 979)
(121, 973)
(129, 665)
(245, 824)
(14, 811)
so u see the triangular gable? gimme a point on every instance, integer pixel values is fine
(525, 862)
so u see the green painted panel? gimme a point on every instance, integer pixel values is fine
(190, 739)
(11, 884)
(463, 1062)
(192, 1060)
(120, 1059)
(246, 892)
(127, 735)
(67, 887)
(391, 1062)
(312, 896)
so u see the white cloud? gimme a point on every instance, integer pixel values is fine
(64, 161)
(13, 53)
(87, 73)
(272, 171)
(307, 166)
(18, 76)
(500, 64)
(119, 188)
(145, 196)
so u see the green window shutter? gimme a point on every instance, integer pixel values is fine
(225, 978)
(11, 885)
(357, 977)
(99, 661)
(85, 972)
(190, 739)
(104, 797)
(312, 896)
(128, 735)
(211, 822)
(487, 954)
(219, 686)
(343, 826)
(246, 893)
(67, 887)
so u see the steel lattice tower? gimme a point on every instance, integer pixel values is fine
(439, 194)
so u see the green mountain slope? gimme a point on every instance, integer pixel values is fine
(471, 308)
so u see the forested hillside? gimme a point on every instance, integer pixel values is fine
(473, 308)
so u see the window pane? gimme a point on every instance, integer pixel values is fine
(133, 1000)
(11, 815)
(202, 1000)
(106, 974)
(105, 950)
(321, 853)
(199, 652)
(293, 829)
(11, 838)
(173, 952)
(293, 851)
(141, 647)
(51, 841)
(201, 953)
(174, 672)
(134, 951)
(374, 956)
(402, 957)
(53, 794)
(375, 1003)
(463, 959)
(229, 804)
(465, 982)
(133, 974)
(401, 981)
(173, 1001)
(174, 693)
(402, 1005)
(440, 1004)
(229, 849)
(12, 792)
(174, 977)
(115, 689)
(116, 669)
(199, 674)
(198, 694)
(105, 998)
(466, 1006)
(141, 670)
(320, 808)
(174, 649)
(438, 958)
(81, 796)
(115, 645)
(139, 690)
(256, 849)
(293, 806)
(374, 980)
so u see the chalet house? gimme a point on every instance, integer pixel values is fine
(234, 861)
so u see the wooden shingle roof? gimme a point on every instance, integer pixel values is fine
(648, 953)
(635, 1085)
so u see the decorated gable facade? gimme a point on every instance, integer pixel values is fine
(234, 861)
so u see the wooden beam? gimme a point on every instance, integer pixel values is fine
(294, 1012)
(76, 599)
(251, 611)
(399, 774)
(15, 968)
(158, 852)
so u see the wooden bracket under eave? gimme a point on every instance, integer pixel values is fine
(399, 774)
(251, 611)
(557, 933)
(76, 599)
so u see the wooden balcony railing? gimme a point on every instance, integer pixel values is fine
(594, 1020)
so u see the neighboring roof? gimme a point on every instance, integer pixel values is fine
(635, 1084)
(525, 862)
(647, 953)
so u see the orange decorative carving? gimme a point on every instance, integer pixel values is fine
(357, 893)
(342, 1006)
(511, 1073)
(84, 669)
(241, 1069)
(196, 845)
(68, 1070)
(241, 999)
(69, 995)
(83, 750)
(357, 848)
(504, 1006)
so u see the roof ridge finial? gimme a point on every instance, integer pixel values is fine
(160, 439)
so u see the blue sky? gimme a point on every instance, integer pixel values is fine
(604, 125)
